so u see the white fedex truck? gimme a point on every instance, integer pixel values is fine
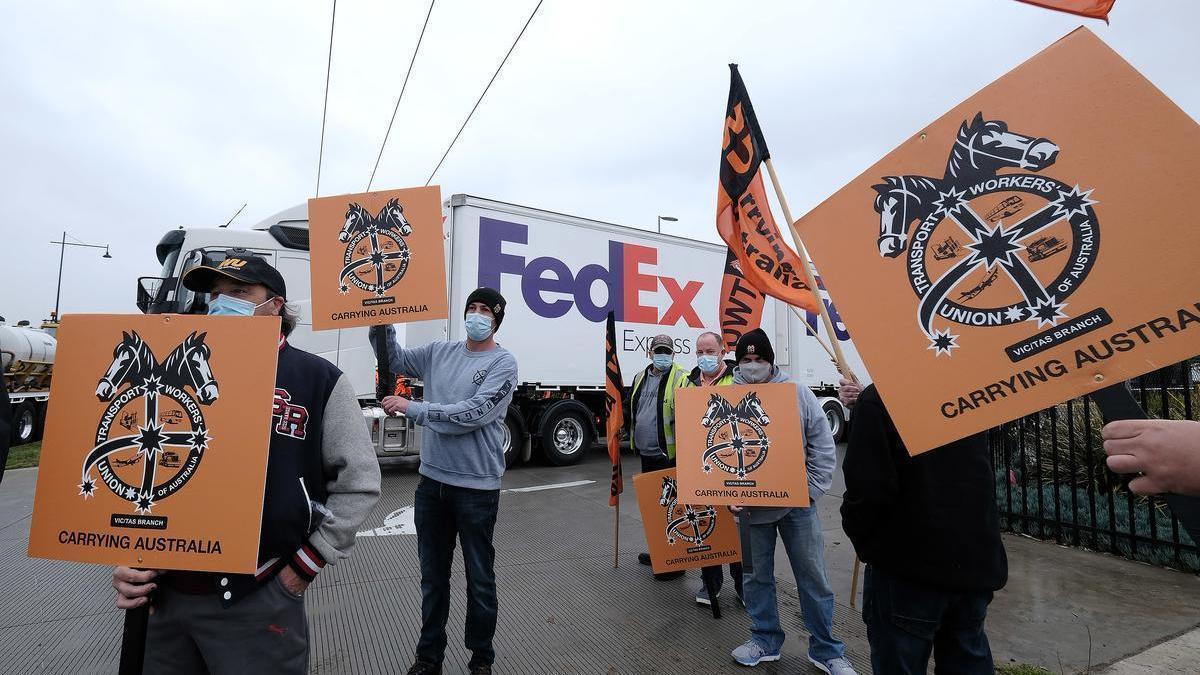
(560, 274)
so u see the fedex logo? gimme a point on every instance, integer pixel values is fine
(626, 278)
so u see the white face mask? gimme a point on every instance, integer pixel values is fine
(755, 372)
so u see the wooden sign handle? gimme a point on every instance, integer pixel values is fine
(133, 640)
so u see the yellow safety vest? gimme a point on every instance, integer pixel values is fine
(676, 377)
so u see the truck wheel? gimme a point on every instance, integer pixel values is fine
(565, 435)
(837, 422)
(24, 423)
(511, 442)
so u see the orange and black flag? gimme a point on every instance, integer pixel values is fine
(744, 218)
(1096, 9)
(741, 303)
(614, 410)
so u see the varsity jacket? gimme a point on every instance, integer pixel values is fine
(322, 475)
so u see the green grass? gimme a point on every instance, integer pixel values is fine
(1020, 669)
(24, 455)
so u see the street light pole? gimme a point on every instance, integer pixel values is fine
(669, 219)
(62, 250)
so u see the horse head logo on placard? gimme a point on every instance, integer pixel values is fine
(685, 522)
(736, 443)
(162, 389)
(376, 256)
(967, 265)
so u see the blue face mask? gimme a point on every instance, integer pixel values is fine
(224, 305)
(708, 364)
(663, 361)
(478, 326)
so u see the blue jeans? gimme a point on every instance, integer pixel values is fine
(801, 533)
(907, 621)
(444, 512)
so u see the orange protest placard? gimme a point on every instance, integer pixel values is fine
(741, 444)
(682, 536)
(377, 258)
(155, 449)
(1035, 243)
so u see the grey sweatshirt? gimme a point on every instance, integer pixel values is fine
(820, 458)
(466, 398)
(347, 456)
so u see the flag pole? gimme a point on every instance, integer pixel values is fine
(854, 582)
(808, 274)
(617, 534)
(813, 333)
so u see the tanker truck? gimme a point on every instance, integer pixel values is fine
(26, 364)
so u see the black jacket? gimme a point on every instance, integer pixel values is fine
(929, 519)
(5, 425)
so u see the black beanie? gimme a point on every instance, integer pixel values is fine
(490, 297)
(755, 342)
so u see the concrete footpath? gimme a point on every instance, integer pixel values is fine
(565, 609)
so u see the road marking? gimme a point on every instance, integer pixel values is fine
(555, 486)
(400, 521)
(403, 519)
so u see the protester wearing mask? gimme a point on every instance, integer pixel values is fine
(712, 371)
(652, 424)
(322, 481)
(800, 529)
(468, 387)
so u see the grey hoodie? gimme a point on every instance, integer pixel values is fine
(820, 458)
(466, 398)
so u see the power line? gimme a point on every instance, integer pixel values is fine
(401, 96)
(325, 109)
(485, 91)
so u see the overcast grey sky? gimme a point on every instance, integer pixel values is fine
(122, 120)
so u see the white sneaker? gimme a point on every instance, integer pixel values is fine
(838, 666)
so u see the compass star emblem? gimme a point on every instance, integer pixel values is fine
(995, 247)
(87, 488)
(1047, 312)
(942, 342)
(199, 439)
(150, 439)
(144, 503)
(950, 202)
(1075, 202)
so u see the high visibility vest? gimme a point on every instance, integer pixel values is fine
(726, 378)
(676, 377)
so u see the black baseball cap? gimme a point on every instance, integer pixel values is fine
(239, 265)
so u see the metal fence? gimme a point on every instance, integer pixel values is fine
(1052, 482)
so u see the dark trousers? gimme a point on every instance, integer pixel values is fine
(264, 632)
(444, 512)
(907, 621)
(715, 574)
(656, 463)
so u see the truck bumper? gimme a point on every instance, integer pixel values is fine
(392, 436)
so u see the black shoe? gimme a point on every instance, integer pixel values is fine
(644, 558)
(481, 669)
(426, 668)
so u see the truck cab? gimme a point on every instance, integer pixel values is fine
(281, 240)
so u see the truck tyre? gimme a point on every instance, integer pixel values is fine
(565, 435)
(512, 442)
(836, 419)
(24, 423)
